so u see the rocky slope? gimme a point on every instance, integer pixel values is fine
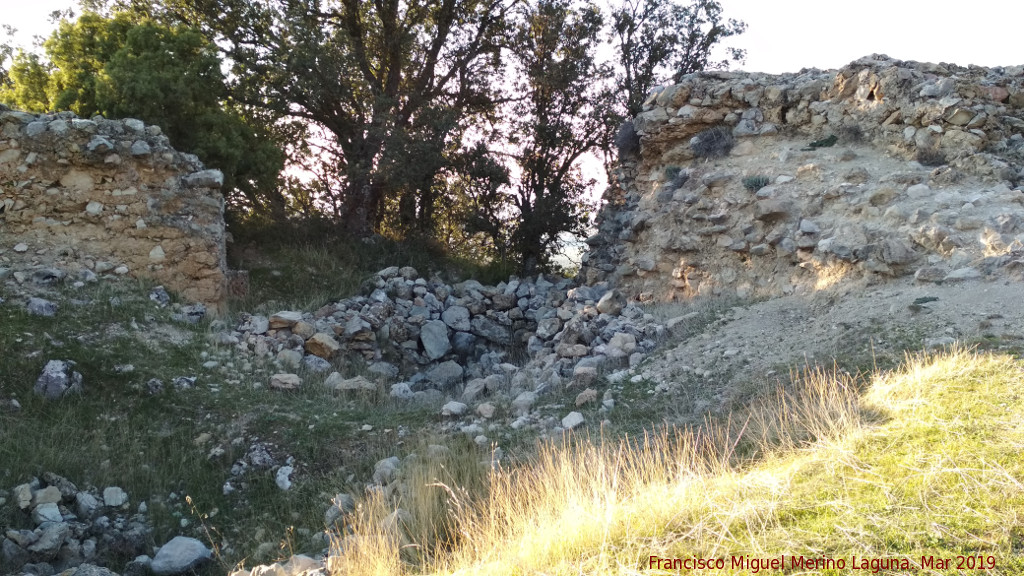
(761, 185)
(821, 218)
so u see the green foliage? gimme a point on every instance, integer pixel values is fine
(390, 86)
(823, 143)
(627, 141)
(930, 157)
(563, 114)
(713, 142)
(397, 97)
(24, 85)
(124, 66)
(676, 176)
(660, 39)
(755, 183)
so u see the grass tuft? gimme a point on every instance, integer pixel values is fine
(924, 466)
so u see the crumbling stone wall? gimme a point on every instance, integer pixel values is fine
(97, 196)
(882, 168)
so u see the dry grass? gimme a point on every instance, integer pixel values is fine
(927, 463)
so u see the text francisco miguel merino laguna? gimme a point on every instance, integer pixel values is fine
(813, 563)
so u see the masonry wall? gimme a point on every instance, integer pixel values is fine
(917, 171)
(109, 197)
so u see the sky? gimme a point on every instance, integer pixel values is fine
(787, 35)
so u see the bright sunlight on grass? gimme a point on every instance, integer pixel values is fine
(921, 474)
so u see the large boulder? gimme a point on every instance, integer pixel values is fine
(180, 555)
(58, 380)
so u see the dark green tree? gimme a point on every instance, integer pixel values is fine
(657, 40)
(23, 85)
(392, 83)
(562, 114)
(124, 66)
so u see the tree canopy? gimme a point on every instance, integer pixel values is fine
(465, 120)
(168, 75)
(656, 40)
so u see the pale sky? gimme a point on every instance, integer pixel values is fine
(787, 35)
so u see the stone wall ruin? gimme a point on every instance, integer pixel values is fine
(96, 196)
(883, 168)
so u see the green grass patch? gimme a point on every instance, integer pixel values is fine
(922, 470)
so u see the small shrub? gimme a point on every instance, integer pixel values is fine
(675, 177)
(850, 134)
(713, 142)
(755, 183)
(930, 157)
(627, 140)
(823, 143)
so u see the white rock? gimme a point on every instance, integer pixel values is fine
(402, 391)
(434, 336)
(114, 497)
(386, 471)
(283, 477)
(180, 555)
(285, 382)
(86, 504)
(23, 496)
(48, 512)
(572, 420)
(358, 384)
(524, 402)
(50, 494)
(454, 408)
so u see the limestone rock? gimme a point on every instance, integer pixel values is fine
(611, 303)
(58, 380)
(445, 374)
(48, 495)
(204, 179)
(621, 345)
(357, 384)
(573, 420)
(41, 307)
(283, 477)
(285, 319)
(323, 345)
(486, 410)
(586, 397)
(457, 318)
(180, 555)
(434, 337)
(114, 497)
(524, 402)
(46, 513)
(285, 382)
(454, 409)
(386, 471)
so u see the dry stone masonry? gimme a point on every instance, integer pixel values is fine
(763, 185)
(437, 342)
(96, 196)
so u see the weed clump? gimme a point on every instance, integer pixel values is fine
(930, 157)
(850, 134)
(627, 140)
(755, 183)
(712, 143)
(676, 177)
(823, 143)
